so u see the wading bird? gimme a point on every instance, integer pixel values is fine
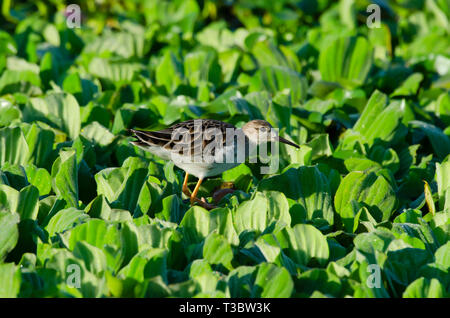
(206, 147)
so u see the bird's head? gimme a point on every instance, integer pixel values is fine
(259, 131)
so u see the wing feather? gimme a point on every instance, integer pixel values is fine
(174, 136)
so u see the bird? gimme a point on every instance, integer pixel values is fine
(206, 147)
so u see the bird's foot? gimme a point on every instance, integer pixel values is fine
(202, 202)
(207, 205)
(187, 192)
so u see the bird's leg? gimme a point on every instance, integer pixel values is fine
(194, 194)
(185, 188)
(201, 202)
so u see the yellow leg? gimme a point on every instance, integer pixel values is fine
(194, 194)
(201, 202)
(185, 188)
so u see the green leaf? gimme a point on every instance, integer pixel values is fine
(65, 176)
(153, 236)
(272, 282)
(382, 124)
(439, 141)
(91, 285)
(169, 72)
(11, 280)
(14, 176)
(442, 256)
(309, 187)
(197, 223)
(99, 208)
(129, 243)
(377, 240)
(347, 13)
(217, 250)
(269, 209)
(82, 89)
(171, 209)
(40, 143)
(361, 164)
(443, 182)
(443, 107)
(202, 66)
(146, 264)
(59, 110)
(424, 288)
(366, 275)
(421, 231)
(64, 220)
(375, 105)
(40, 178)
(8, 113)
(201, 272)
(9, 234)
(9, 198)
(317, 280)
(373, 191)
(346, 60)
(179, 14)
(124, 44)
(229, 63)
(117, 72)
(401, 264)
(277, 78)
(97, 134)
(302, 243)
(149, 198)
(240, 281)
(13, 146)
(270, 252)
(109, 181)
(320, 146)
(386, 157)
(93, 257)
(122, 185)
(23, 81)
(268, 54)
(94, 232)
(410, 86)
(28, 205)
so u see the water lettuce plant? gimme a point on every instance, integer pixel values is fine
(360, 210)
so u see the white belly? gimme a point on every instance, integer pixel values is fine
(225, 159)
(201, 168)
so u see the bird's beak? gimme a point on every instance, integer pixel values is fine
(287, 142)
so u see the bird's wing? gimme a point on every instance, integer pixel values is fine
(192, 135)
(204, 132)
(151, 138)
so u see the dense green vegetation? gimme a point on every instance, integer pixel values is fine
(360, 210)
